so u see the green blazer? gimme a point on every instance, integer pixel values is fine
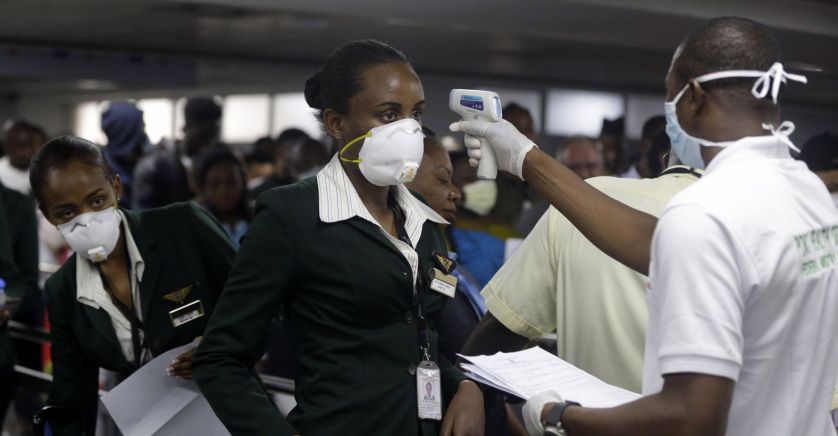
(347, 295)
(18, 256)
(181, 245)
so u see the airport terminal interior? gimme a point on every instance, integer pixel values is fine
(583, 80)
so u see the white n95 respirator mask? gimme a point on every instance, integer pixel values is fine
(688, 148)
(390, 154)
(93, 235)
(480, 196)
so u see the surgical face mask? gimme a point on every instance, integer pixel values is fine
(480, 196)
(93, 235)
(391, 153)
(688, 148)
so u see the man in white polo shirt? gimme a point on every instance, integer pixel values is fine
(744, 263)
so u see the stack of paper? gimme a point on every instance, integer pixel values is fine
(149, 402)
(528, 372)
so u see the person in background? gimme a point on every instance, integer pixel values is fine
(476, 237)
(21, 141)
(652, 128)
(259, 161)
(346, 256)
(306, 158)
(139, 283)
(612, 138)
(19, 271)
(658, 156)
(282, 173)
(163, 177)
(583, 156)
(220, 180)
(521, 118)
(123, 124)
(820, 153)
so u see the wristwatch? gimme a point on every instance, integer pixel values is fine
(553, 422)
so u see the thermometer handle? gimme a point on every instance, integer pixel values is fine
(488, 166)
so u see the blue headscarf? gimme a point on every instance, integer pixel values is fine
(123, 124)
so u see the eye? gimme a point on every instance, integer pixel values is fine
(66, 214)
(389, 117)
(417, 115)
(98, 201)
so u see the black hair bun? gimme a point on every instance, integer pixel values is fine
(313, 91)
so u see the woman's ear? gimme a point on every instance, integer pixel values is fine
(117, 188)
(334, 123)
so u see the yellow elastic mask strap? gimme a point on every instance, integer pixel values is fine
(348, 144)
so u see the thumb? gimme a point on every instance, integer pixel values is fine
(472, 127)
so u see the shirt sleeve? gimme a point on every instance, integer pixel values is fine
(697, 294)
(522, 295)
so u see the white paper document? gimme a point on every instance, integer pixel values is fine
(528, 372)
(151, 403)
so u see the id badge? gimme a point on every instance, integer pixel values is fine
(445, 284)
(186, 313)
(428, 391)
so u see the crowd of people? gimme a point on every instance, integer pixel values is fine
(696, 271)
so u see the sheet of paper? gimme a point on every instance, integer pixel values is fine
(528, 372)
(150, 402)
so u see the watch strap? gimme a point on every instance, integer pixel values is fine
(553, 422)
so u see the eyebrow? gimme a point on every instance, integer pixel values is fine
(397, 104)
(90, 195)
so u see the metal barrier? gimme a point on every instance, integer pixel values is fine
(41, 382)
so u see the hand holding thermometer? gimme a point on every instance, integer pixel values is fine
(473, 104)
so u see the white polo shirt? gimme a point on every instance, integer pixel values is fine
(744, 285)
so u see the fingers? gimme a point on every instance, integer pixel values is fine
(473, 127)
(182, 365)
(472, 141)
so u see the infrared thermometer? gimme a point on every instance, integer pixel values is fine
(472, 104)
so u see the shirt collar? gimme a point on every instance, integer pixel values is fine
(750, 148)
(88, 280)
(338, 201)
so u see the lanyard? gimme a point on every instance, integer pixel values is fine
(135, 322)
(418, 297)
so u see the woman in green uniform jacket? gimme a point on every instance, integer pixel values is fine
(347, 255)
(139, 283)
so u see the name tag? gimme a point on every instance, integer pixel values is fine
(186, 313)
(428, 392)
(445, 284)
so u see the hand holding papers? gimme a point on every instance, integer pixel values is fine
(153, 403)
(528, 372)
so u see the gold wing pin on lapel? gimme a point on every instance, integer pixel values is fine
(179, 295)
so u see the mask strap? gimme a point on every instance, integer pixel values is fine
(348, 144)
(766, 80)
(782, 133)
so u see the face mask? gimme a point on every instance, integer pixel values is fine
(835, 198)
(93, 235)
(688, 148)
(480, 196)
(391, 153)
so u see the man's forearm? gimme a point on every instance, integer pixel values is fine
(692, 405)
(490, 336)
(618, 230)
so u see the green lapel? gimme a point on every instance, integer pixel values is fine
(102, 322)
(145, 243)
